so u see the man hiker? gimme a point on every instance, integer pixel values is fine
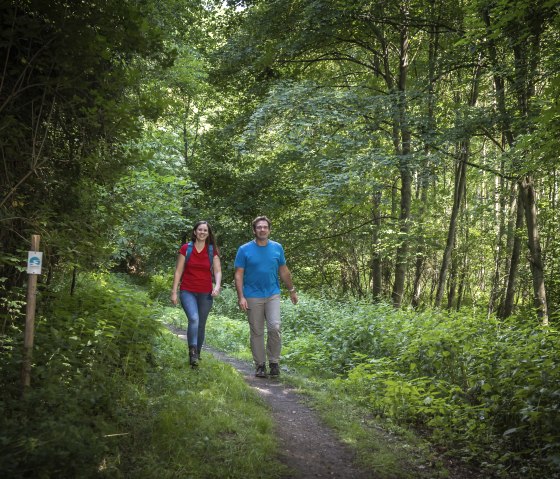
(258, 266)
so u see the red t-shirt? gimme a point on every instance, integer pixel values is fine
(197, 277)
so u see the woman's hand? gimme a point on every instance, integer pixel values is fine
(216, 291)
(174, 298)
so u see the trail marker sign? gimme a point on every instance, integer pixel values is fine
(34, 262)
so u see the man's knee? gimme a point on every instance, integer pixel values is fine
(274, 328)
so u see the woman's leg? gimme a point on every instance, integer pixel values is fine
(205, 301)
(190, 306)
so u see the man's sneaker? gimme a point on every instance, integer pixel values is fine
(261, 371)
(274, 369)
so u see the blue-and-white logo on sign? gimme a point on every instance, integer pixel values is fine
(34, 261)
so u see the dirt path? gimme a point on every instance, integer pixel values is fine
(307, 447)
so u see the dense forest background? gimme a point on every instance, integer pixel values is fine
(406, 152)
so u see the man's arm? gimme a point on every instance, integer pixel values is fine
(286, 278)
(238, 276)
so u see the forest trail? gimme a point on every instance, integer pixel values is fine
(306, 446)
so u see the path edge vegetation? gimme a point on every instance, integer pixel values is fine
(108, 389)
(112, 395)
(466, 391)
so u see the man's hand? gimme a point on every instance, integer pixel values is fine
(243, 304)
(293, 297)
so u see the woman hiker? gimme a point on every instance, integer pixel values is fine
(196, 261)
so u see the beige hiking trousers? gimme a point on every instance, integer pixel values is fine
(263, 310)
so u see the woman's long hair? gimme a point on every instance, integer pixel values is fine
(210, 239)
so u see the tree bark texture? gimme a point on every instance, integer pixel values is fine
(376, 270)
(515, 238)
(401, 140)
(459, 188)
(528, 196)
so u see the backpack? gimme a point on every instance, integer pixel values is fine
(210, 249)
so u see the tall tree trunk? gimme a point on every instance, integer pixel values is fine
(433, 52)
(452, 288)
(500, 212)
(510, 240)
(507, 307)
(74, 280)
(376, 271)
(387, 264)
(459, 188)
(420, 253)
(513, 241)
(354, 273)
(185, 133)
(523, 34)
(526, 60)
(185, 145)
(402, 148)
(528, 197)
(402, 250)
(463, 275)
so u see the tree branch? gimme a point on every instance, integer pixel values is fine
(347, 230)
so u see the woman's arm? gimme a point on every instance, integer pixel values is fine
(217, 266)
(179, 266)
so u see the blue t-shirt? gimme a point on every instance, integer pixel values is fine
(260, 265)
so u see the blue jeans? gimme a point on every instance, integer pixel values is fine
(197, 307)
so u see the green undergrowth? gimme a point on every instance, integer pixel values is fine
(485, 393)
(203, 423)
(87, 348)
(111, 396)
(382, 447)
(386, 449)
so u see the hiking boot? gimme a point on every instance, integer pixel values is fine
(193, 357)
(198, 354)
(261, 371)
(274, 369)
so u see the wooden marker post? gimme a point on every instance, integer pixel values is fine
(34, 264)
